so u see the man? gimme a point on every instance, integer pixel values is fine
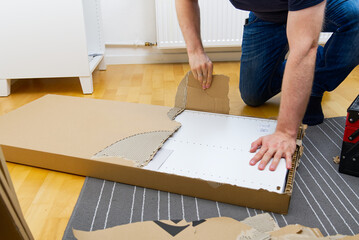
(273, 28)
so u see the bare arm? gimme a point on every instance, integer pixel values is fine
(303, 29)
(188, 15)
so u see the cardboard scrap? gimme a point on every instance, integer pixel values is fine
(13, 224)
(212, 228)
(191, 96)
(262, 222)
(336, 160)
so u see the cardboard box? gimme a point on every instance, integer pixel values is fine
(67, 134)
(13, 224)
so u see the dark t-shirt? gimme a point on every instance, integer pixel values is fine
(273, 10)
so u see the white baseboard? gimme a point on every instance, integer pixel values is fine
(180, 56)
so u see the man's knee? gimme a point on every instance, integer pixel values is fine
(251, 97)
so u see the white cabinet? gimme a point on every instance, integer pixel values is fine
(49, 39)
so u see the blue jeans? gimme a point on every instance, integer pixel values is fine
(265, 46)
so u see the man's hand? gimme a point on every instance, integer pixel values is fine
(303, 29)
(277, 145)
(202, 68)
(188, 14)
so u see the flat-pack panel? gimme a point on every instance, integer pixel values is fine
(215, 147)
(116, 141)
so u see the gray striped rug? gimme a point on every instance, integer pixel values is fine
(321, 198)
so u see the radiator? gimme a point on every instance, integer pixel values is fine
(221, 24)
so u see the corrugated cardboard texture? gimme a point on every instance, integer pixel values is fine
(212, 228)
(262, 222)
(82, 127)
(191, 96)
(139, 148)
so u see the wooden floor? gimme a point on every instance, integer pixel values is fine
(47, 198)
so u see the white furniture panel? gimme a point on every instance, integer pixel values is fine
(215, 147)
(44, 39)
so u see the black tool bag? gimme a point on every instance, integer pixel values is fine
(349, 159)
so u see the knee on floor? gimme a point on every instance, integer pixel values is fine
(251, 99)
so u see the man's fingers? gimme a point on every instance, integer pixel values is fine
(288, 159)
(258, 156)
(254, 146)
(277, 157)
(194, 72)
(205, 74)
(266, 158)
(209, 75)
(199, 76)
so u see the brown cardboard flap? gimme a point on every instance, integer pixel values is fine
(212, 228)
(83, 127)
(289, 229)
(191, 96)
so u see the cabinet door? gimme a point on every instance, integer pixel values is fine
(42, 38)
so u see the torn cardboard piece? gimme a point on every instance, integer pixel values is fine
(211, 228)
(13, 224)
(85, 128)
(262, 222)
(191, 96)
(80, 135)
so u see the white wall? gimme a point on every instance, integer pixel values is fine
(134, 22)
(129, 20)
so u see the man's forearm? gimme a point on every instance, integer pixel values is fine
(296, 89)
(189, 20)
(303, 29)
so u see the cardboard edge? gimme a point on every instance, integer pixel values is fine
(159, 147)
(181, 94)
(143, 162)
(174, 112)
(227, 193)
(9, 191)
(295, 161)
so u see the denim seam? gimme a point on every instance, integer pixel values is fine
(284, 52)
(254, 21)
(328, 20)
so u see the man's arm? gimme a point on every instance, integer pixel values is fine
(303, 29)
(189, 21)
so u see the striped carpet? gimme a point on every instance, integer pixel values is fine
(321, 198)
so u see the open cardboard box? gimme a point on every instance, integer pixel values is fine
(76, 135)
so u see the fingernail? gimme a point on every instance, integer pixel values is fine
(252, 162)
(261, 166)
